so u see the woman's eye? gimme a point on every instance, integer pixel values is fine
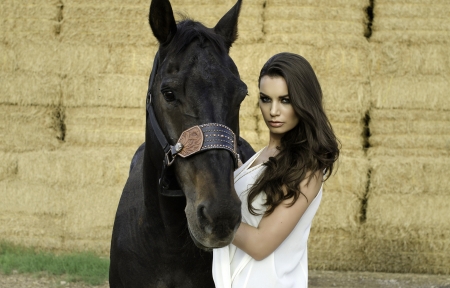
(264, 99)
(286, 100)
(169, 96)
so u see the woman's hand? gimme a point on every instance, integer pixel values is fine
(259, 242)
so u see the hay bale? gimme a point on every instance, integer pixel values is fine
(106, 90)
(67, 218)
(398, 60)
(418, 131)
(30, 56)
(404, 242)
(292, 26)
(344, 94)
(336, 249)
(354, 167)
(412, 141)
(101, 127)
(120, 22)
(29, 128)
(336, 239)
(101, 23)
(131, 60)
(85, 59)
(8, 165)
(332, 200)
(90, 217)
(35, 20)
(403, 152)
(411, 22)
(8, 61)
(407, 92)
(409, 175)
(77, 166)
(412, 9)
(349, 127)
(32, 213)
(315, 22)
(318, 3)
(30, 88)
(327, 61)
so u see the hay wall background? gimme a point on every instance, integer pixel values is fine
(73, 80)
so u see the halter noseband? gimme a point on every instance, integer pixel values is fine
(192, 141)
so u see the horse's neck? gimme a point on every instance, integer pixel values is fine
(173, 216)
(170, 210)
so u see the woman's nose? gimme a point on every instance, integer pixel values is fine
(274, 110)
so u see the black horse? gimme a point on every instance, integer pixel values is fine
(178, 203)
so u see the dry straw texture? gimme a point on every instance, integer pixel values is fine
(409, 175)
(110, 90)
(29, 128)
(32, 213)
(320, 23)
(77, 190)
(78, 167)
(336, 249)
(408, 21)
(408, 233)
(411, 57)
(336, 238)
(418, 132)
(407, 226)
(93, 127)
(33, 20)
(8, 165)
(30, 88)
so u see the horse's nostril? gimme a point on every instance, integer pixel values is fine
(204, 218)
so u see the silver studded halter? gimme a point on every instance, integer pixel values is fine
(204, 137)
(192, 141)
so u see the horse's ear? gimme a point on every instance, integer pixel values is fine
(228, 25)
(162, 21)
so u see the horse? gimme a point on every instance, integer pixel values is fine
(179, 201)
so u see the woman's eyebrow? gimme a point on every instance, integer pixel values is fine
(282, 96)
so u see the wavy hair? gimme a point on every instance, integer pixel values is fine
(309, 147)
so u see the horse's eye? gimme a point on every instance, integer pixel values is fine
(169, 96)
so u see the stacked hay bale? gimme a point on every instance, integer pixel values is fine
(106, 53)
(408, 217)
(30, 115)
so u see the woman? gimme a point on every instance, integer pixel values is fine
(280, 186)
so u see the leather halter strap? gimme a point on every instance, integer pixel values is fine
(192, 141)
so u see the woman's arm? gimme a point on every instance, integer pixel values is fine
(260, 242)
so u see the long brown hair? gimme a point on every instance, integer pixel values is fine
(309, 147)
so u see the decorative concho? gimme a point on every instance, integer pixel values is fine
(191, 141)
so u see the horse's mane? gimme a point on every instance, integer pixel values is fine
(189, 30)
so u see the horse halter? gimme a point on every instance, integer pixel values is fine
(192, 141)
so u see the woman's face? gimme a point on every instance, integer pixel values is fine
(275, 105)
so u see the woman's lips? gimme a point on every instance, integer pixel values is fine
(275, 124)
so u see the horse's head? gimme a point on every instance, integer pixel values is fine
(198, 83)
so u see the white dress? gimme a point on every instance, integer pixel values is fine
(287, 266)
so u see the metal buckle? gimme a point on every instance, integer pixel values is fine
(168, 160)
